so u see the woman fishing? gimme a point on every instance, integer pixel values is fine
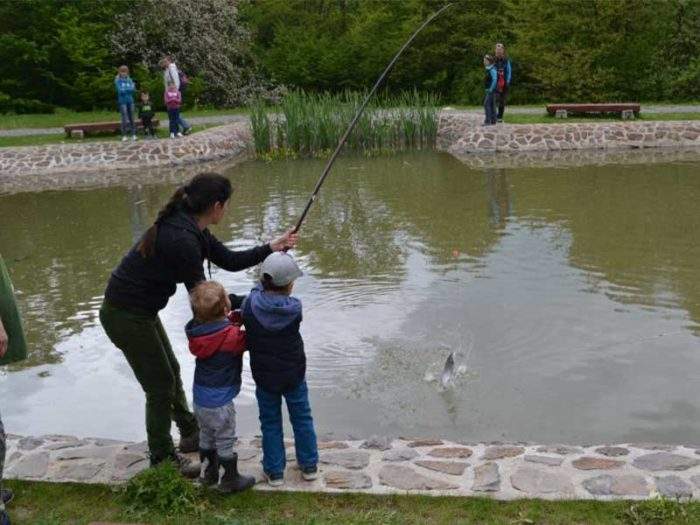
(171, 251)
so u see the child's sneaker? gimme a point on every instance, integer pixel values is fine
(179, 134)
(309, 473)
(172, 135)
(133, 138)
(124, 139)
(275, 480)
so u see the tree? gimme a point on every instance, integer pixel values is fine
(204, 36)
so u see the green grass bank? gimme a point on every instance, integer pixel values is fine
(53, 504)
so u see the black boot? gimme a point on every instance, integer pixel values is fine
(232, 481)
(186, 467)
(210, 476)
(189, 443)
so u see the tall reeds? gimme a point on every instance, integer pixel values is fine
(310, 124)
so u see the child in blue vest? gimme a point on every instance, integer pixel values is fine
(216, 339)
(125, 100)
(272, 318)
(490, 81)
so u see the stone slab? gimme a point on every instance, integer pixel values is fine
(500, 452)
(658, 461)
(487, 478)
(544, 460)
(406, 478)
(624, 485)
(342, 479)
(378, 443)
(453, 468)
(355, 459)
(451, 452)
(537, 482)
(400, 454)
(673, 487)
(426, 442)
(612, 451)
(592, 463)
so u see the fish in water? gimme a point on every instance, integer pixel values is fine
(448, 371)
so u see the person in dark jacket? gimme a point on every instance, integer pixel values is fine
(272, 317)
(171, 251)
(216, 339)
(146, 114)
(503, 77)
(490, 81)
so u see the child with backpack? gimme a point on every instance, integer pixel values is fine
(272, 318)
(217, 340)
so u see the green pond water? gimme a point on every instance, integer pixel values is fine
(570, 296)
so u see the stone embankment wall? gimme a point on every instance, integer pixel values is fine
(460, 133)
(382, 465)
(96, 163)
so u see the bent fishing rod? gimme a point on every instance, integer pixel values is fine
(345, 136)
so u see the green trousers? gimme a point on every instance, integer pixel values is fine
(142, 339)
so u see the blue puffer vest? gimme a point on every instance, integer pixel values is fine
(277, 358)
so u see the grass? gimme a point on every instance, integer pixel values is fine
(38, 140)
(65, 116)
(310, 125)
(38, 503)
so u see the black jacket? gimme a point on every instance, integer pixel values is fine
(181, 247)
(277, 358)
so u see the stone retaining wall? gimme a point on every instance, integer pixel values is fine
(93, 163)
(460, 134)
(382, 465)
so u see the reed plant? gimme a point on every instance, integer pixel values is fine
(311, 124)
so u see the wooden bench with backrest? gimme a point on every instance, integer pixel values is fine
(626, 110)
(103, 127)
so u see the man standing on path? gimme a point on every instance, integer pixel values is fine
(171, 73)
(503, 72)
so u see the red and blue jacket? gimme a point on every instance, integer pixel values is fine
(218, 347)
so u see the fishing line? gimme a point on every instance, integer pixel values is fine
(345, 136)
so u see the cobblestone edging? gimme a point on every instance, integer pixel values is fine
(393, 466)
(460, 133)
(71, 165)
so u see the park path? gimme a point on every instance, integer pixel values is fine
(228, 119)
(196, 121)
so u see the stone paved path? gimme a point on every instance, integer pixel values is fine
(227, 119)
(381, 465)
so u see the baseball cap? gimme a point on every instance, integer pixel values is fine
(281, 268)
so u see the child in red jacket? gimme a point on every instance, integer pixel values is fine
(217, 340)
(173, 101)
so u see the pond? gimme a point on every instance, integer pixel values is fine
(570, 296)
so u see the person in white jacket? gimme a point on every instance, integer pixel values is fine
(172, 74)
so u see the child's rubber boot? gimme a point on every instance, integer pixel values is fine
(210, 476)
(232, 481)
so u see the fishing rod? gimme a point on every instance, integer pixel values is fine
(345, 136)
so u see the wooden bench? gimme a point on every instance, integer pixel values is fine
(626, 110)
(76, 130)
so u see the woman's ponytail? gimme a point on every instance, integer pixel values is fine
(195, 197)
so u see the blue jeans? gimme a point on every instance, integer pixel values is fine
(173, 119)
(127, 113)
(270, 408)
(489, 109)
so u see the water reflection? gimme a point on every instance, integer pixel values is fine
(575, 288)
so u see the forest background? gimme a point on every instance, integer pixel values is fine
(64, 53)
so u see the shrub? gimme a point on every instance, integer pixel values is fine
(162, 489)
